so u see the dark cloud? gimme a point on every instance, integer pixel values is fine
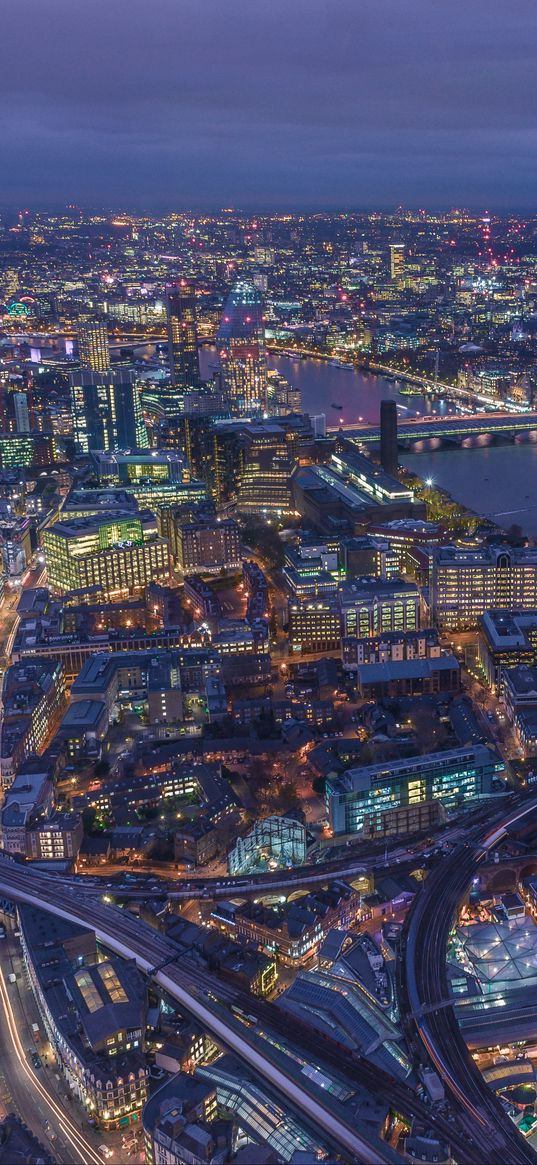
(311, 102)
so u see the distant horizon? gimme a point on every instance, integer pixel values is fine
(266, 209)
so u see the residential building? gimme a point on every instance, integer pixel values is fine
(107, 410)
(182, 335)
(241, 350)
(55, 839)
(33, 698)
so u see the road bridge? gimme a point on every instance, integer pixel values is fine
(507, 426)
(423, 990)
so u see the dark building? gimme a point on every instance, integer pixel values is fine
(388, 436)
(183, 336)
(106, 409)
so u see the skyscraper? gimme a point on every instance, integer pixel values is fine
(241, 349)
(182, 336)
(107, 412)
(397, 260)
(93, 344)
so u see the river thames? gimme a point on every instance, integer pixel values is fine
(496, 481)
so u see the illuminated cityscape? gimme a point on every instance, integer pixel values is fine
(268, 585)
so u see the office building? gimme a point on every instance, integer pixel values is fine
(314, 625)
(83, 728)
(466, 583)
(388, 436)
(506, 639)
(268, 456)
(241, 350)
(106, 410)
(371, 607)
(357, 800)
(93, 351)
(182, 336)
(397, 260)
(127, 467)
(118, 557)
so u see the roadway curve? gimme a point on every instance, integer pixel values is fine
(424, 996)
(196, 992)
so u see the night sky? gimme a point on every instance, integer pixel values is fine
(269, 103)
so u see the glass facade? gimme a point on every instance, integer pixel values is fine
(241, 350)
(356, 800)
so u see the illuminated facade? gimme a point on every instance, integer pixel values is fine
(94, 1017)
(93, 349)
(33, 699)
(314, 625)
(182, 336)
(466, 583)
(357, 800)
(106, 410)
(241, 350)
(119, 556)
(275, 842)
(397, 260)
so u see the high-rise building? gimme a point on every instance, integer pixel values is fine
(388, 436)
(241, 349)
(106, 410)
(93, 349)
(397, 260)
(183, 336)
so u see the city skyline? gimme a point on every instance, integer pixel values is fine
(301, 106)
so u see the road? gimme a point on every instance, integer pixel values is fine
(425, 1004)
(9, 619)
(202, 997)
(32, 1094)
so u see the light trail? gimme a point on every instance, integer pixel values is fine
(69, 1129)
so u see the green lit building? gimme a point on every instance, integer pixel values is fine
(119, 555)
(356, 800)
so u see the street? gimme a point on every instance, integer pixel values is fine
(38, 1097)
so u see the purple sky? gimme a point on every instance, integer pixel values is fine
(175, 103)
